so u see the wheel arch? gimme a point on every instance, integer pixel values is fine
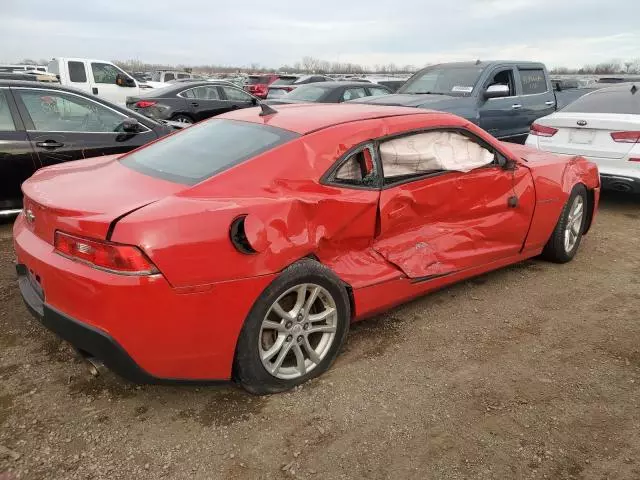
(183, 114)
(345, 284)
(591, 206)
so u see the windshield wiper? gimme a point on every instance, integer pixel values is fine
(426, 93)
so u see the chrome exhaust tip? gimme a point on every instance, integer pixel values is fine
(95, 366)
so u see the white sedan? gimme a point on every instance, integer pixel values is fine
(603, 126)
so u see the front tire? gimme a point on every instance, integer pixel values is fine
(294, 330)
(182, 119)
(566, 237)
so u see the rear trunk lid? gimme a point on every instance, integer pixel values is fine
(85, 197)
(588, 134)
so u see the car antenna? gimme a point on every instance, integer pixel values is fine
(634, 89)
(478, 62)
(267, 110)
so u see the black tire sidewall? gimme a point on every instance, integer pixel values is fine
(554, 250)
(248, 368)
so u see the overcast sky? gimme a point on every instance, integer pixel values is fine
(369, 32)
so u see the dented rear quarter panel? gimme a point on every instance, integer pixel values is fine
(289, 214)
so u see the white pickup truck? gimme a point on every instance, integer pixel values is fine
(99, 77)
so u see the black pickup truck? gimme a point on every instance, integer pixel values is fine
(502, 97)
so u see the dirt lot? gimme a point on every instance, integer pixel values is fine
(529, 372)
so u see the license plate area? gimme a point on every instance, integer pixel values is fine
(581, 137)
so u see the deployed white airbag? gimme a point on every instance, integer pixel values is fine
(432, 151)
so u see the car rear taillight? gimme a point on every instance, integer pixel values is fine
(289, 89)
(542, 131)
(144, 104)
(113, 257)
(626, 137)
(634, 159)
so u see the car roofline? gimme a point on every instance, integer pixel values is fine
(416, 111)
(378, 117)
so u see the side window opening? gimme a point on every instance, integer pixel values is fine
(358, 169)
(432, 152)
(54, 111)
(504, 77)
(77, 72)
(104, 73)
(6, 119)
(533, 81)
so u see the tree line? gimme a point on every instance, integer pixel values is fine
(310, 64)
(611, 67)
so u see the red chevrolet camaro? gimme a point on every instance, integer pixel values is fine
(244, 246)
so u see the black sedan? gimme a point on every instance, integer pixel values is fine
(190, 102)
(44, 124)
(330, 92)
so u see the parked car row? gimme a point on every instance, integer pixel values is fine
(287, 83)
(330, 92)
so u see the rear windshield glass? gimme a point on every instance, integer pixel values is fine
(307, 93)
(201, 151)
(285, 81)
(257, 80)
(607, 101)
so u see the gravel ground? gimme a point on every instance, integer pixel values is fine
(532, 371)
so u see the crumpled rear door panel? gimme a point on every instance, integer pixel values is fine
(455, 221)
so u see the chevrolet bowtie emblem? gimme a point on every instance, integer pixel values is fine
(30, 216)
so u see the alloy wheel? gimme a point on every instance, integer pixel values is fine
(574, 224)
(298, 331)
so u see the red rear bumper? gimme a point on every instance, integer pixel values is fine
(165, 333)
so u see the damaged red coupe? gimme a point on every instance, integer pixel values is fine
(244, 246)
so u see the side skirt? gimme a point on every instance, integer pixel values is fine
(383, 296)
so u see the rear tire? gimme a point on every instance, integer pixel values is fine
(566, 237)
(294, 330)
(182, 119)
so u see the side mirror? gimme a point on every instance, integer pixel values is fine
(130, 125)
(496, 91)
(125, 81)
(504, 162)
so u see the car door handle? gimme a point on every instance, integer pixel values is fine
(549, 103)
(49, 144)
(516, 106)
(195, 104)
